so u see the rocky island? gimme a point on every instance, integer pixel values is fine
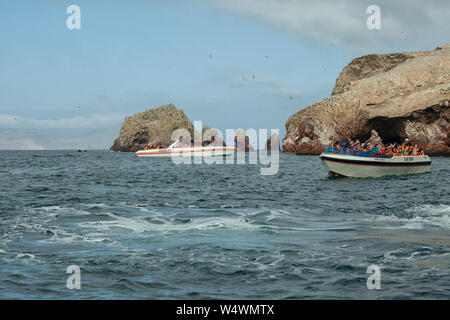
(151, 126)
(155, 126)
(389, 97)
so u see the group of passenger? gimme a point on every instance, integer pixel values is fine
(394, 149)
(151, 146)
(179, 145)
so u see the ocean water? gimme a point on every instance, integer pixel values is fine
(150, 229)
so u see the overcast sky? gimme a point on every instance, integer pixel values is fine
(229, 63)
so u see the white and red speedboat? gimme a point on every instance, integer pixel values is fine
(361, 165)
(178, 149)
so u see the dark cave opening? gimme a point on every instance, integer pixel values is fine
(390, 130)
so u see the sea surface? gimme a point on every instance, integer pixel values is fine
(141, 228)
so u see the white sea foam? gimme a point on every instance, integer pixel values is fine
(148, 220)
(140, 225)
(446, 221)
(269, 261)
(102, 205)
(429, 209)
(425, 215)
(425, 254)
(274, 214)
(62, 236)
(164, 223)
(25, 255)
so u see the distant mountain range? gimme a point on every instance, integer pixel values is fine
(15, 139)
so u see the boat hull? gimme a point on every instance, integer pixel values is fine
(362, 167)
(187, 152)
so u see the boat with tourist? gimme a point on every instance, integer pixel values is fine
(354, 160)
(178, 148)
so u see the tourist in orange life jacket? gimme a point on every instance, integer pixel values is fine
(393, 149)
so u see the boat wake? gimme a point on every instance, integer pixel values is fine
(418, 217)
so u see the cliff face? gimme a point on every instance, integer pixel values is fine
(401, 95)
(151, 126)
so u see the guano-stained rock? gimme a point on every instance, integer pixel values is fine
(151, 126)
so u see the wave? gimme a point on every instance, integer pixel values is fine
(140, 224)
(419, 217)
(108, 223)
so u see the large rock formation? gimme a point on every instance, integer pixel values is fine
(151, 126)
(400, 95)
(155, 126)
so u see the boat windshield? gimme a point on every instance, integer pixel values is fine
(174, 145)
(358, 153)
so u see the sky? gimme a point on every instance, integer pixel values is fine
(228, 63)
